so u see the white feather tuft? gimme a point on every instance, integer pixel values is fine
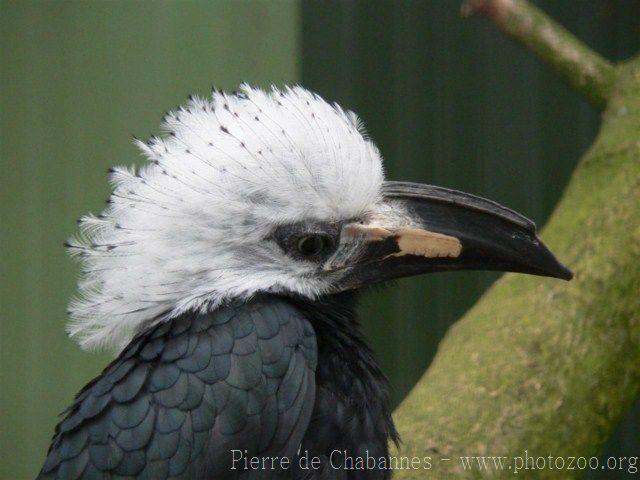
(188, 230)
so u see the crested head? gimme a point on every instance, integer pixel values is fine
(197, 224)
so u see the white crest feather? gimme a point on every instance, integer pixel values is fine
(188, 229)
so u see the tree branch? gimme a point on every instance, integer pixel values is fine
(585, 71)
(538, 367)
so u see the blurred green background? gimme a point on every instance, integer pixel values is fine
(449, 101)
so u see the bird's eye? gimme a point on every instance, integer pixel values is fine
(313, 245)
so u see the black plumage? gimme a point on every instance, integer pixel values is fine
(273, 377)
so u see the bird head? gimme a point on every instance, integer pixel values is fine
(272, 191)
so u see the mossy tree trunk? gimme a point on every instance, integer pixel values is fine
(539, 365)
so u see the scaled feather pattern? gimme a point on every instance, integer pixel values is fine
(190, 229)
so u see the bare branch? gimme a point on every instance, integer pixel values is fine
(586, 72)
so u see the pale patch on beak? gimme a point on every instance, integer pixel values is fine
(423, 243)
(409, 241)
(365, 232)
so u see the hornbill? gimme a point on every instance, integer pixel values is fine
(226, 272)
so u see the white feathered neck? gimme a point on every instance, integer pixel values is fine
(188, 229)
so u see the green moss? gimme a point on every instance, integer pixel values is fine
(538, 364)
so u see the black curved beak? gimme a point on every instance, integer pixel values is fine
(425, 229)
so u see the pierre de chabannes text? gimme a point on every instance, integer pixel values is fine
(338, 460)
